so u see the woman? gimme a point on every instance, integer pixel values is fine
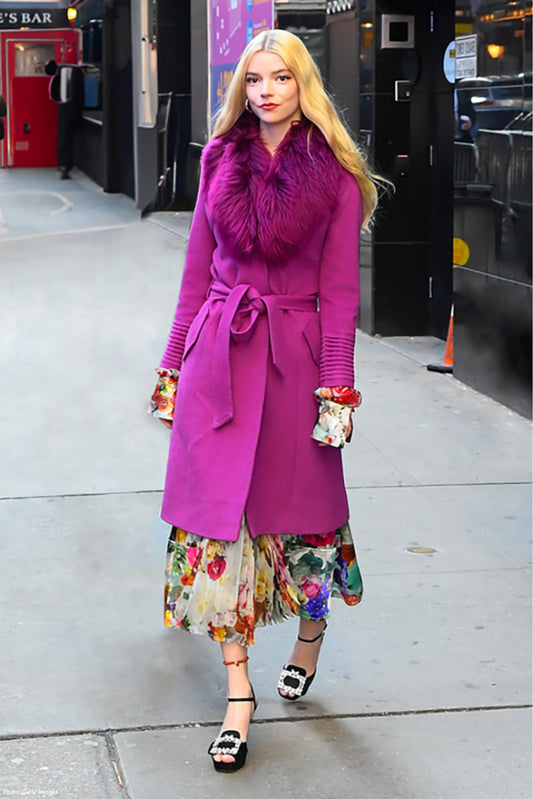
(265, 327)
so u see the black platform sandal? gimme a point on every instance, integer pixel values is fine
(229, 742)
(294, 679)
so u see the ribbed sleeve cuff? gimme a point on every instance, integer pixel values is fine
(176, 346)
(336, 362)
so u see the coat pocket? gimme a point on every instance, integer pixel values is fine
(195, 330)
(311, 333)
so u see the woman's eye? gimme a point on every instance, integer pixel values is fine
(251, 80)
(284, 78)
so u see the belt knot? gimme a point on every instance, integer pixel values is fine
(244, 297)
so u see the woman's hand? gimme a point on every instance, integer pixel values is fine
(167, 423)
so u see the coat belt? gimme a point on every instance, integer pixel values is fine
(245, 299)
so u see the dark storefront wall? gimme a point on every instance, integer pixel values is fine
(146, 162)
(406, 272)
(492, 205)
(161, 148)
(104, 139)
(479, 192)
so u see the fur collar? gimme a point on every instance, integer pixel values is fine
(267, 205)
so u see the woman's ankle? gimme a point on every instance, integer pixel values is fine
(311, 628)
(235, 659)
(306, 652)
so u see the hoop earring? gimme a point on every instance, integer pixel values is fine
(247, 105)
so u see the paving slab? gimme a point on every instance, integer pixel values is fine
(471, 528)
(65, 767)
(422, 349)
(177, 222)
(81, 336)
(83, 583)
(433, 427)
(36, 203)
(367, 464)
(433, 756)
(501, 515)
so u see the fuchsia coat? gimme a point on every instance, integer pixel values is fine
(266, 314)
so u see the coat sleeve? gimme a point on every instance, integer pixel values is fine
(195, 282)
(339, 286)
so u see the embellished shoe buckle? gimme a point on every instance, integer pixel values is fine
(293, 674)
(225, 745)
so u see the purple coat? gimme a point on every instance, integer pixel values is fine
(266, 314)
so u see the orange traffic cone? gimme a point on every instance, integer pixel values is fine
(447, 366)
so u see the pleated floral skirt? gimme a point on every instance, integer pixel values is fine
(225, 590)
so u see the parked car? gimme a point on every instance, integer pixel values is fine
(497, 101)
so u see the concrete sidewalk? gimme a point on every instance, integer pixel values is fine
(423, 691)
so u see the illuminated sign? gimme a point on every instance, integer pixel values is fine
(33, 18)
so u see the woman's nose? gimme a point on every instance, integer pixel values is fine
(266, 89)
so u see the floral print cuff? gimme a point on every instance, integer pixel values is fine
(164, 397)
(343, 395)
(334, 423)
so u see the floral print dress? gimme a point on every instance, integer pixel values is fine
(226, 589)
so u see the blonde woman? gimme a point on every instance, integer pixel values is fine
(262, 351)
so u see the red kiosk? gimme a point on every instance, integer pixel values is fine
(29, 38)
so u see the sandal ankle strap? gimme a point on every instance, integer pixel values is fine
(240, 699)
(244, 698)
(235, 662)
(312, 640)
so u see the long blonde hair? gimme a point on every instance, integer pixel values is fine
(314, 103)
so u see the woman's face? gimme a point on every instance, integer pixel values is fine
(272, 90)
